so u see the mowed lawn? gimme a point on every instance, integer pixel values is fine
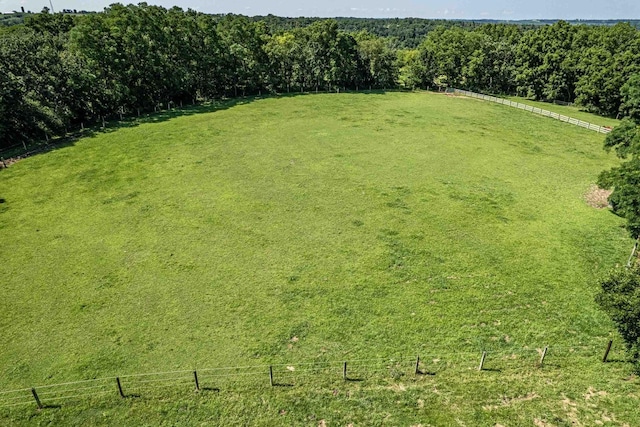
(321, 227)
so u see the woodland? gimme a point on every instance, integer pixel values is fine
(58, 71)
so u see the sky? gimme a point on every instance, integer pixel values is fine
(447, 9)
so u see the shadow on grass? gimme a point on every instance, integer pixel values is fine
(618, 361)
(131, 396)
(282, 385)
(11, 155)
(56, 406)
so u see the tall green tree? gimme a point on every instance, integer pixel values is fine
(281, 51)
(380, 61)
(630, 94)
(545, 66)
(609, 58)
(625, 179)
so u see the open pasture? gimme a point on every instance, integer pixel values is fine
(317, 228)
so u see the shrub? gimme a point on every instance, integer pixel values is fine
(620, 298)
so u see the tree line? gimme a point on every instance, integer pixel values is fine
(60, 70)
(588, 65)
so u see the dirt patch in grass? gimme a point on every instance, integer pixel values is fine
(506, 401)
(597, 197)
(5, 163)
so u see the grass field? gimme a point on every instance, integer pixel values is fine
(573, 111)
(313, 229)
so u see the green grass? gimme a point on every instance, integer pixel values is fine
(573, 111)
(312, 229)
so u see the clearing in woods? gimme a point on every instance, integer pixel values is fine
(317, 228)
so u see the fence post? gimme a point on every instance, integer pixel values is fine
(606, 353)
(417, 365)
(195, 377)
(344, 371)
(119, 387)
(35, 396)
(271, 375)
(484, 356)
(544, 353)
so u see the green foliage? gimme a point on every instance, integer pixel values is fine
(608, 56)
(380, 61)
(625, 179)
(620, 299)
(545, 63)
(631, 98)
(74, 69)
(624, 139)
(405, 33)
(46, 23)
(69, 68)
(33, 92)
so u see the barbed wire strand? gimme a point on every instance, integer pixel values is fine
(16, 398)
(15, 391)
(75, 382)
(48, 393)
(80, 395)
(154, 373)
(139, 389)
(18, 404)
(154, 381)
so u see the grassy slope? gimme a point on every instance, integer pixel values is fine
(364, 225)
(572, 111)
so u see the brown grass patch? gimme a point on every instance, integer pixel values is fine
(597, 197)
(506, 401)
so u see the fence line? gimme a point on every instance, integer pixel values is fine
(535, 110)
(132, 385)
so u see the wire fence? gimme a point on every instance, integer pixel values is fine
(536, 110)
(297, 374)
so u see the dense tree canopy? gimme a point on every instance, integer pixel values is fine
(58, 70)
(625, 179)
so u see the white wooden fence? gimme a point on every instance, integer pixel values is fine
(536, 110)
